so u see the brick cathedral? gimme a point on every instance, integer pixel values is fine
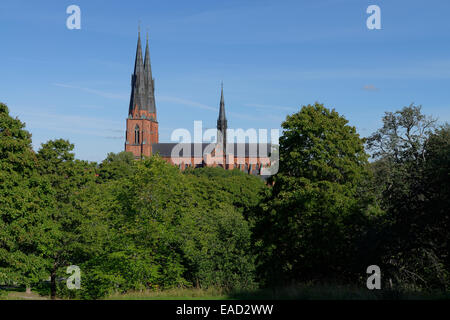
(142, 138)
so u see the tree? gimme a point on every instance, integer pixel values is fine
(170, 229)
(24, 201)
(242, 190)
(403, 136)
(437, 194)
(308, 226)
(410, 165)
(67, 177)
(217, 232)
(117, 166)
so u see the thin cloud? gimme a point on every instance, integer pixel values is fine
(259, 117)
(100, 93)
(186, 102)
(370, 87)
(271, 107)
(91, 107)
(99, 127)
(420, 70)
(194, 104)
(116, 130)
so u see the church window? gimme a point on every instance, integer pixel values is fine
(136, 135)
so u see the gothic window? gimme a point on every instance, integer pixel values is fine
(136, 135)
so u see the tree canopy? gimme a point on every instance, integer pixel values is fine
(306, 227)
(325, 216)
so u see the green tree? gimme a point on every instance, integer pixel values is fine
(244, 191)
(410, 167)
(24, 201)
(170, 229)
(117, 166)
(66, 243)
(217, 233)
(309, 224)
(142, 211)
(437, 194)
(404, 135)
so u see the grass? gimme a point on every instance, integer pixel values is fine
(334, 292)
(172, 294)
(18, 294)
(294, 292)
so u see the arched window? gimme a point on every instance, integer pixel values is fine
(136, 135)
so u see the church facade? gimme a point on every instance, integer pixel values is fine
(142, 138)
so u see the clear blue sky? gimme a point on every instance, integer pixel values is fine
(273, 57)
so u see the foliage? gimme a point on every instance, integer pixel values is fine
(117, 166)
(217, 186)
(308, 227)
(68, 177)
(145, 226)
(412, 172)
(24, 196)
(162, 230)
(403, 136)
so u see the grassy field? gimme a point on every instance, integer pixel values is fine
(16, 294)
(299, 292)
(173, 294)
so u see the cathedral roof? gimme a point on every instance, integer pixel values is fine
(240, 150)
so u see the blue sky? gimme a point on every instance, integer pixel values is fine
(273, 57)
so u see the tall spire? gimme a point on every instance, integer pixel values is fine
(137, 79)
(222, 107)
(138, 68)
(149, 82)
(222, 121)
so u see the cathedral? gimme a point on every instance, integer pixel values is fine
(142, 137)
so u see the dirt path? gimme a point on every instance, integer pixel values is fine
(25, 296)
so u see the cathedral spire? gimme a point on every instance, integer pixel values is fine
(149, 82)
(142, 127)
(222, 122)
(137, 79)
(222, 107)
(147, 68)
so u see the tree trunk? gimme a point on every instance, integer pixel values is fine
(28, 290)
(53, 285)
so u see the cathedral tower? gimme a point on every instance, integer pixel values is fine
(142, 125)
(222, 123)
